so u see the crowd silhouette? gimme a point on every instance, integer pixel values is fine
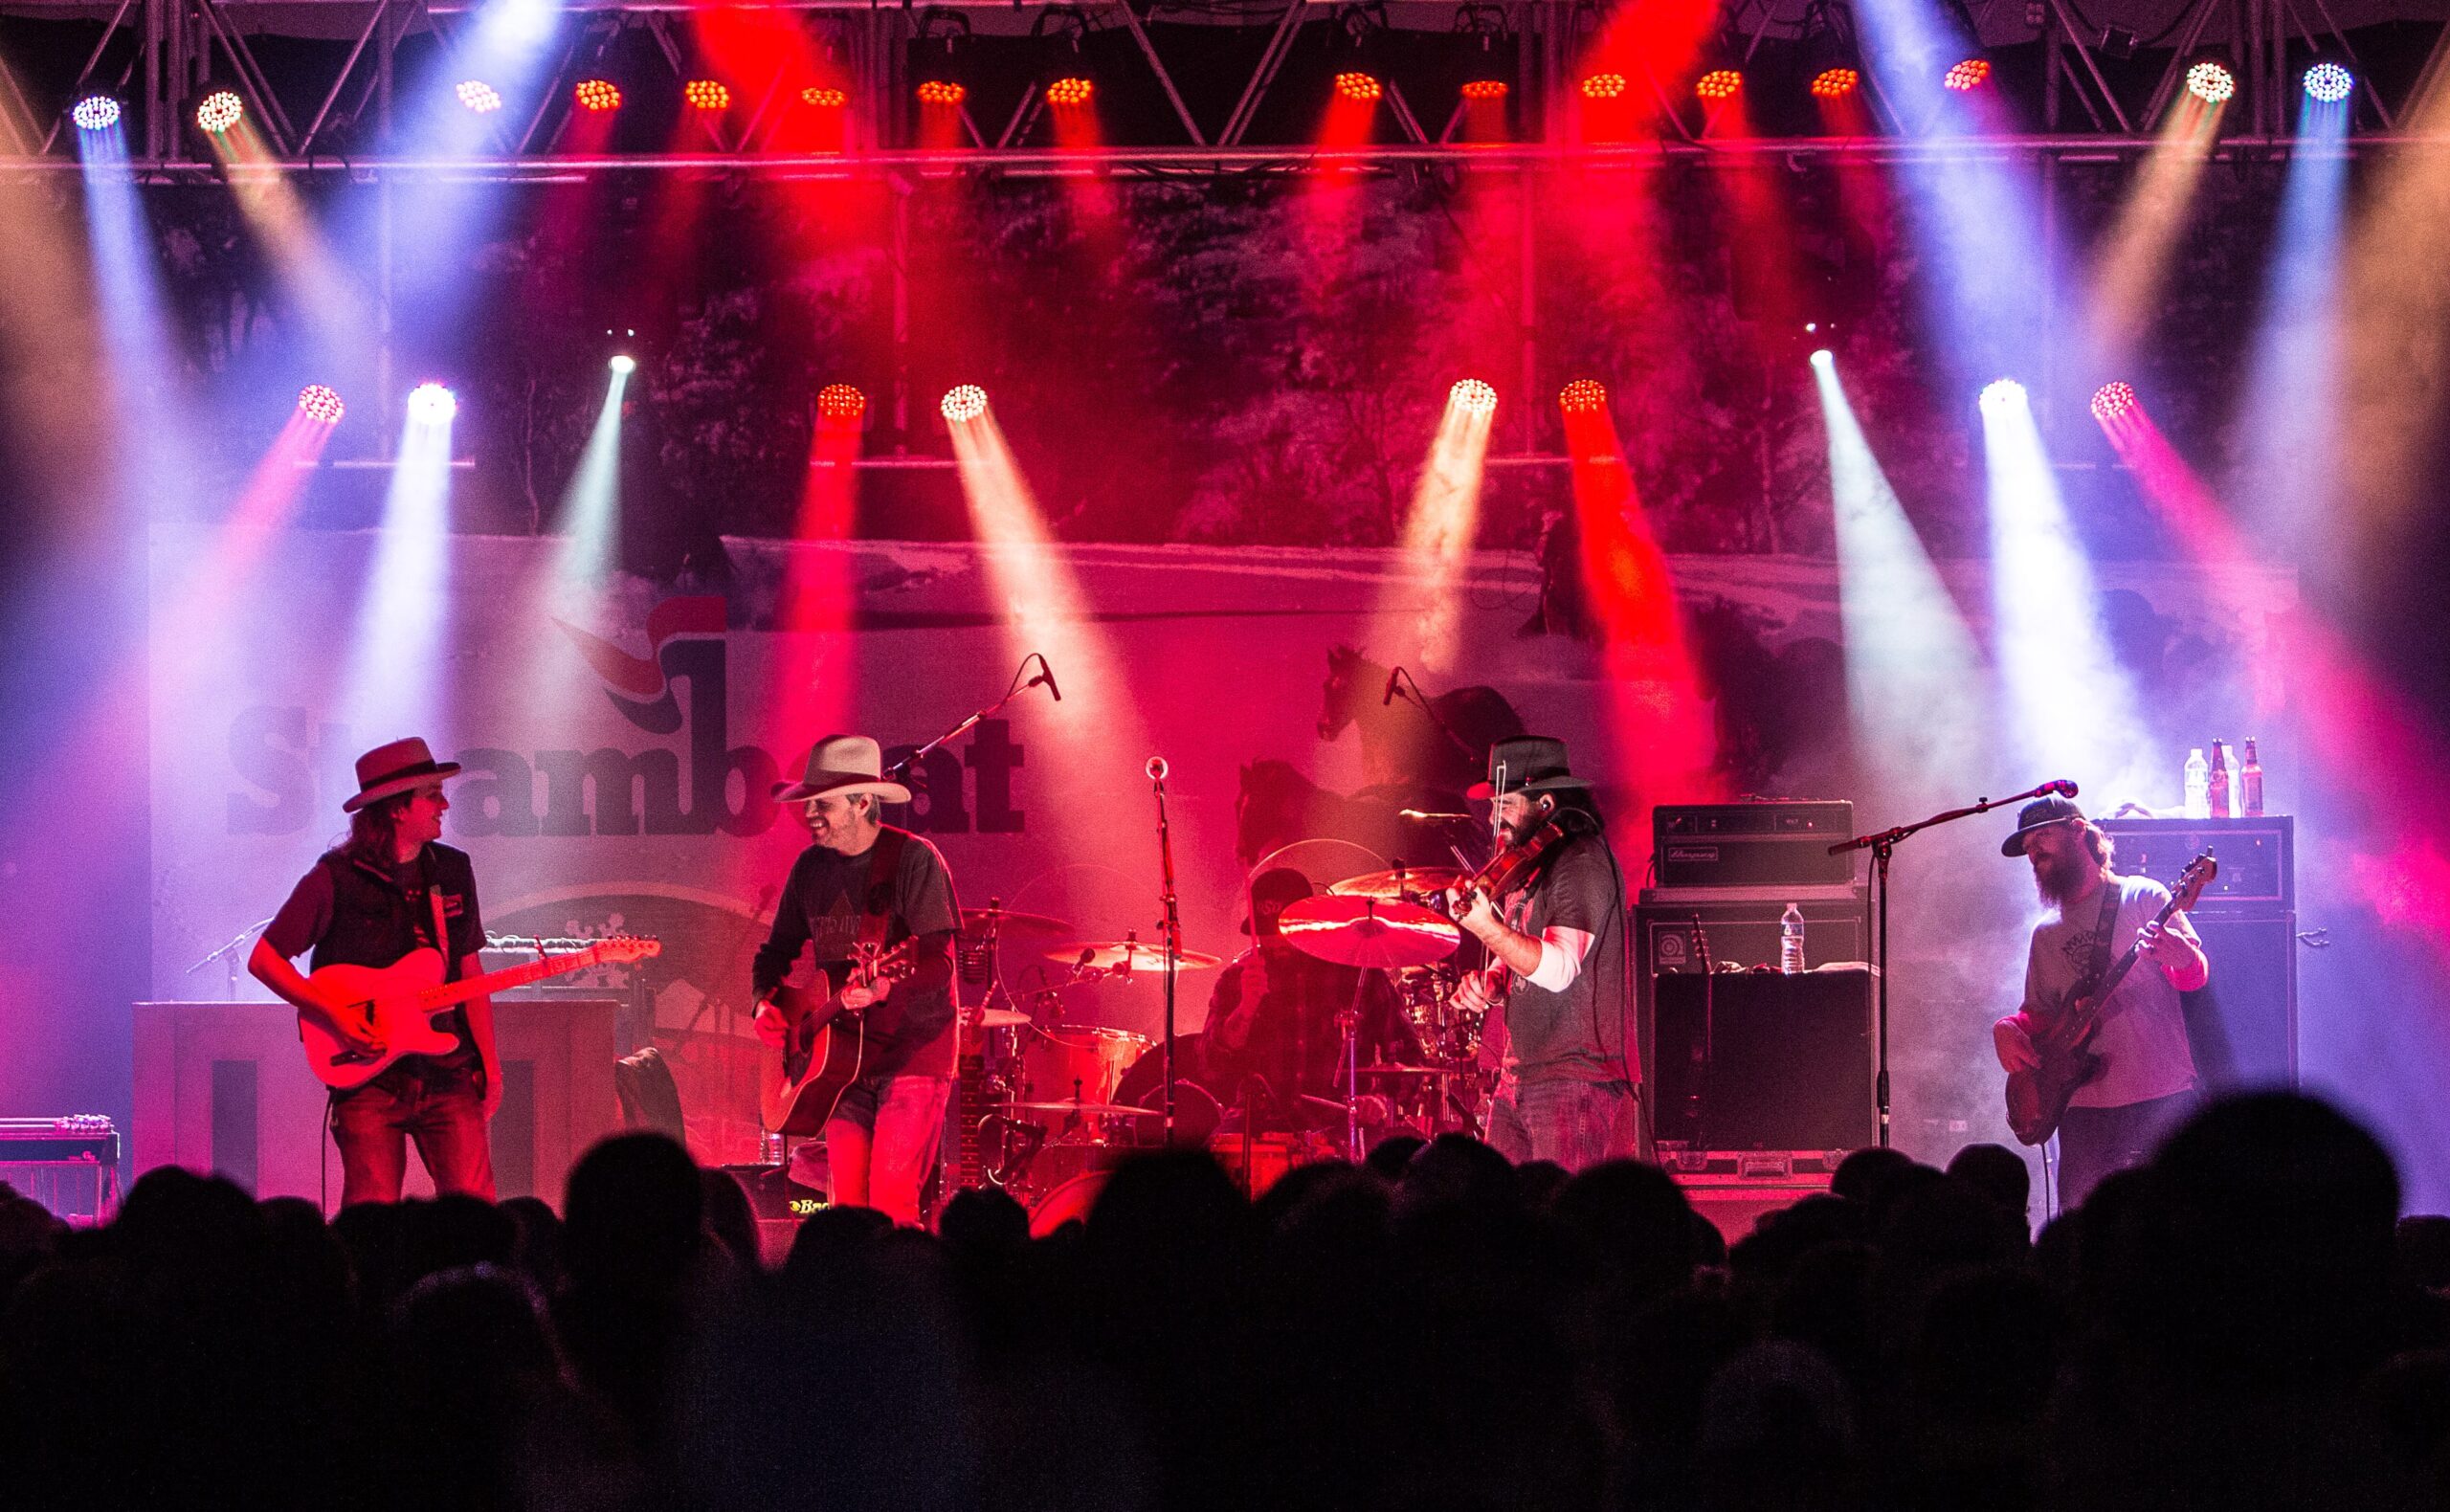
(2245, 1322)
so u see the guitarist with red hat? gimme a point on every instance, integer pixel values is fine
(2144, 1082)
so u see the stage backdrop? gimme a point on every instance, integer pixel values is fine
(620, 745)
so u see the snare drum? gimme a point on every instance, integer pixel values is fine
(1079, 1064)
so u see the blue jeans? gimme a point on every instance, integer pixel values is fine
(1575, 1124)
(439, 1105)
(2095, 1142)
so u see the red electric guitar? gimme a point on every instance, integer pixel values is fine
(2037, 1096)
(396, 1004)
(823, 1043)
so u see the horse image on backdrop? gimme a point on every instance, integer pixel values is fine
(1278, 806)
(1445, 749)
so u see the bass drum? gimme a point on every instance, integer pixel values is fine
(1066, 1202)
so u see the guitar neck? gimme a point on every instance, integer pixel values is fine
(2125, 963)
(450, 993)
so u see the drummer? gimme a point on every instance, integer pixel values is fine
(1272, 1036)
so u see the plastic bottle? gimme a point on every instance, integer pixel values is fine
(2199, 790)
(2219, 788)
(2250, 782)
(1790, 940)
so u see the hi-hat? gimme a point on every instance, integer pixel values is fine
(1103, 1110)
(996, 1018)
(1367, 932)
(1420, 880)
(977, 921)
(1141, 955)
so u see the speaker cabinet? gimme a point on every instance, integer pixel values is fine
(2243, 1028)
(1761, 1061)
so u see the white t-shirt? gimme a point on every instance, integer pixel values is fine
(2142, 1036)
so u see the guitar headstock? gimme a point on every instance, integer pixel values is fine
(621, 949)
(2192, 881)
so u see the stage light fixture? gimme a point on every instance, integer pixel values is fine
(1823, 358)
(1718, 84)
(321, 404)
(624, 363)
(1472, 396)
(2329, 83)
(2002, 393)
(1835, 83)
(841, 401)
(2114, 401)
(706, 94)
(821, 97)
(1359, 87)
(94, 113)
(1971, 73)
(1484, 90)
(479, 97)
(2211, 82)
(1603, 86)
(1583, 396)
(597, 95)
(963, 402)
(220, 110)
(1070, 92)
(432, 403)
(942, 92)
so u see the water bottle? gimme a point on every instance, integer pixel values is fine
(2250, 782)
(1790, 940)
(2219, 776)
(2198, 785)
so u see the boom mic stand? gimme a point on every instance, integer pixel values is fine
(901, 769)
(1880, 845)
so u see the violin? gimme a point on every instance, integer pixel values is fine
(1511, 867)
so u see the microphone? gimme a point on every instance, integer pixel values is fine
(1046, 674)
(2062, 786)
(1388, 696)
(1156, 769)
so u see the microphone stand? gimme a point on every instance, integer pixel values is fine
(901, 769)
(1880, 844)
(1173, 924)
(1420, 701)
(228, 951)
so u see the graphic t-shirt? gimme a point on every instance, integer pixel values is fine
(2142, 1036)
(827, 901)
(1578, 1034)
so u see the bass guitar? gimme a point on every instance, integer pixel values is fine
(823, 1043)
(2037, 1096)
(395, 1005)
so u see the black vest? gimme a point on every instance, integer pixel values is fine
(376, 922)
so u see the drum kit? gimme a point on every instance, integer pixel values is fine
(1047, 1099)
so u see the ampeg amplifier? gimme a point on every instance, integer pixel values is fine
(1767, 844)
(1760, 1061)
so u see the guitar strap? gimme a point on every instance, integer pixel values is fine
(2113, 895)
(441, 930)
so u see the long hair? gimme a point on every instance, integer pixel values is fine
(1579, 812)
(370, 830)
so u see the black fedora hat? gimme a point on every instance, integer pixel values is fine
(1527, 764)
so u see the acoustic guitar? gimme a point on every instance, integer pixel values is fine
(396, 1004)
(823, 1043)
(2037, 1096)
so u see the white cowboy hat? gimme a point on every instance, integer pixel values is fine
(843, 763)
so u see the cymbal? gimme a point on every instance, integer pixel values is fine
(1416, 879)
(1093, 1109)
(1365, 932)
(979, 920)
(1143, 956)
(1392, 1072)
(996, 1018)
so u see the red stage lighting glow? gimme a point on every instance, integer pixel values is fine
(597, 95)
(2211, 82)
(219, 111)
(966, 402)
(1359, 87)
(1718, 84)
(1603, 86)
(2114, 401)
(320, 404)
(479, 95)
(1835, 83)
(840, 401)
(942, 92)
(1484, 89)
(823, 98)
(1065, 91)
(1472, 396)
(1971, 73)
(706, 94)
(1583, 396)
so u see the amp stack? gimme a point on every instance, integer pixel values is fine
(2243, 1028)
(1759, 1082)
